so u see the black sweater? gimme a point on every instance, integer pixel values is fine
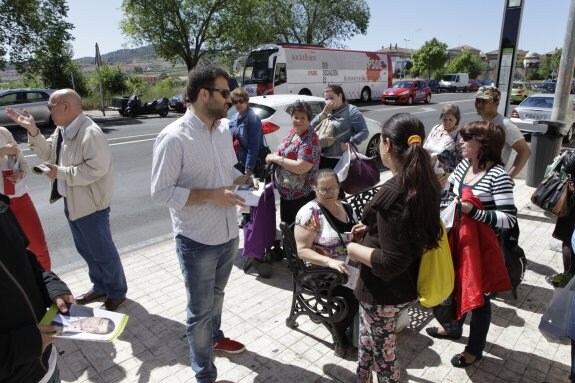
(26, 291)
(395, 264)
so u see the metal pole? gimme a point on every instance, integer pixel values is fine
(565, 76)
(98, 63)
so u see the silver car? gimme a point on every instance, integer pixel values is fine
(33, 100)
(538, 107)
(276, 122)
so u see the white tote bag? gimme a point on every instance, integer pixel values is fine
(342, 167)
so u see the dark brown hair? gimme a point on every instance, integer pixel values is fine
(337, 90)
(420, 218)
(300, 106)
(491, 139)
(203, 77)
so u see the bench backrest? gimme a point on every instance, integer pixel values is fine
(359, 200)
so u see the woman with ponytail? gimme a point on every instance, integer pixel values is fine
(398, 225)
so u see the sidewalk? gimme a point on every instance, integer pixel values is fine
(153, 347)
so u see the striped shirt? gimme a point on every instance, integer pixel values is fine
(187, 156)
(494, 190)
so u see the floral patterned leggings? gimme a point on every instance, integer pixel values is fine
(377, 342)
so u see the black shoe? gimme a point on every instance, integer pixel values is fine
(460, 362)
(112, 304)
(88, 297)
(433, 332)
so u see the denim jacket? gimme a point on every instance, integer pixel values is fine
(349, 125)
(248, 130)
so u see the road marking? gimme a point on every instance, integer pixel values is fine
(117, 138)
(430, 109)
(117, 143)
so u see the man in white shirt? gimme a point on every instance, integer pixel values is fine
(193, 175)
(486, 103)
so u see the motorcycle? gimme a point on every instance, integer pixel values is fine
(134, 106)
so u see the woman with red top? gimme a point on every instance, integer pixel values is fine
(297, 161)
(11, 158)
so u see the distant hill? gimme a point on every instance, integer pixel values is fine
(142, 59)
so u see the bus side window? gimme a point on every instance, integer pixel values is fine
(280, 76)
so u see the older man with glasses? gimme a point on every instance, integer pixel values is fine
(193, 175)
(80, 162)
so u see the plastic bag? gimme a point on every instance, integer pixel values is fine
(554, 323)
(342, 167)
(448, 214)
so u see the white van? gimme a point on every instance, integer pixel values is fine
(453, 82)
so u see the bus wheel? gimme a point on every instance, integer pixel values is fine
(365, 94)
(305, 92)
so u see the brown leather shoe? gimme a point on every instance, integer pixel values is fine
(112, 304)
(88, 297)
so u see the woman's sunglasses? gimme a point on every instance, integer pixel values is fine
(466, 136)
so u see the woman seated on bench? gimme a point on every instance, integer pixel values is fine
(319, 234)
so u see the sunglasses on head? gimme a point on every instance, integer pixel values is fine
(236, 102)
(224, 92)
(466, 136)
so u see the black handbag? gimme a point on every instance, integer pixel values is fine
(555, 193)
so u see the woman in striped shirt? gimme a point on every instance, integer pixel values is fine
(483, 172)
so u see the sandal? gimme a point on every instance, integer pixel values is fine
(434, 332)
(460, 362)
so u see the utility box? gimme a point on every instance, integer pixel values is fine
(544, 148)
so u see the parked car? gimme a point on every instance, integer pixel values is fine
(547, 87)
(407, 92)
(433, 85)
(473, 85)
(34, 100)
(520, 91)
(177, 103)
(538, 107)
(453, 82)
(486, 82)
(276, 122)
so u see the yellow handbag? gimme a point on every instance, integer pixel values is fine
(436, 274)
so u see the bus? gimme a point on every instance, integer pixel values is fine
(308, 69)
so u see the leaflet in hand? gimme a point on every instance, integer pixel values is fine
(85, 323)
(250, 194)
(353, 270)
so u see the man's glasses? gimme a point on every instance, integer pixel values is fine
(466, 136)
(324, 191)
(236, 102)
(224, 92)
(52, 105)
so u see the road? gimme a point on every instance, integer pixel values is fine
(135, 219)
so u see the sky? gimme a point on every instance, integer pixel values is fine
(405, 23)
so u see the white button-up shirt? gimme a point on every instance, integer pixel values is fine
(187, 156)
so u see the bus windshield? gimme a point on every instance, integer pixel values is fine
(256, 70)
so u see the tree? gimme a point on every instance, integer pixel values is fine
(430, 57)
(114, 81)
(191, 29)
(322, 22)
(29, 28)
(550, 64)
(466, 63)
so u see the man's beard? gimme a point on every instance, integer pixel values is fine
(215, 110)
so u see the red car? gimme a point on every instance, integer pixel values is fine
(473, 85)
(407, 92)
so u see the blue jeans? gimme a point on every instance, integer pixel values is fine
(206, 270)
(93, 240)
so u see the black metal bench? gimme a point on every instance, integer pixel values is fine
(313, 287)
